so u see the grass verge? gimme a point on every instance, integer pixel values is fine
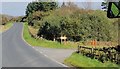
(42, 42)
(5, 27)
(79, 60)
(50, 44)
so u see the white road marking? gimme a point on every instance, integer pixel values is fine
(39, 51)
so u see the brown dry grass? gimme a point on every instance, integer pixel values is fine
(32, 30)
(5, 27)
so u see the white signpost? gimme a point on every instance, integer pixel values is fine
(63, 38)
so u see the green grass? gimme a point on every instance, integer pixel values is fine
(9, 24)
(79, 60)
(42, 42)
(50, 44)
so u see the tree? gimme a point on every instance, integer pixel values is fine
(40, 6)
(37, 10)
(70, 27)
(87, 5)
(36, 16)
(63, 4)
(48, 31)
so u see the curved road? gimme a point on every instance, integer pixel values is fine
(17, 53)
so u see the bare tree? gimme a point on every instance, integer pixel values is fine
(63, 4)
(87, 5)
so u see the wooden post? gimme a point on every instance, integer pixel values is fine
(61, 40)
(41, 37)
(93, 43)
(54, 38)
(92, 52)
(78, 49)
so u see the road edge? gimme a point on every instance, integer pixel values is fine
(1, 41)
(37, 49)
(7, 29)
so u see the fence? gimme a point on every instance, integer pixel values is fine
(102, 54)
(102, 43)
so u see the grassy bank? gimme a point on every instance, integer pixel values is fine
(79, 60)
(42, 42)
(5, 27)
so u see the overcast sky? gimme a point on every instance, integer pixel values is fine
(14, 8)
(17, 8)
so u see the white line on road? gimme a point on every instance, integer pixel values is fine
(39, 51)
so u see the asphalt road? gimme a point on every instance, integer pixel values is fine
(17, 53)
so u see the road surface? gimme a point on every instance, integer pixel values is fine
(17, 53)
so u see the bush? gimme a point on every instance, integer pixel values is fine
(81, 27)
(76, 24)
(4, 20)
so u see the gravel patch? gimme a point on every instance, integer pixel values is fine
(56, 54)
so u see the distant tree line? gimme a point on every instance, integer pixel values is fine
(5, 19)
